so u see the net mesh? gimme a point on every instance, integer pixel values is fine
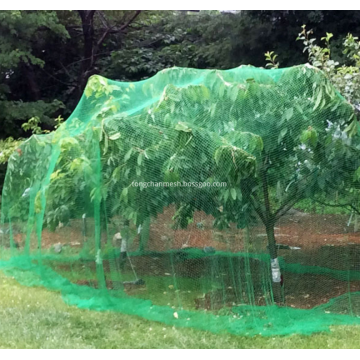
(220, 200)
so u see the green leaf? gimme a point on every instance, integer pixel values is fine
(282, 134)
(309, 137)
(233, 193)
(140, 159)
(357, 174)
(124, 195)
(318, 100)
(115, 136)
(234, 93)
(106, 144)
(289, 113)
(88, 91)
(218, 155)
(128, 154)
(181, 126)
(226, 195)
(353, 128)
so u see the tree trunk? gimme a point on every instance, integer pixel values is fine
(275, 268)
(91, 44)
(144, 235)
(87, 22)
(356, 223)
(31, 80)
(269, 221)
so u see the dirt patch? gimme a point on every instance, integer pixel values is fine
(129, 289)
(69, 235)
(324, 241)
(236, 281)
(198, 234)
(301, 292)
(307, 231)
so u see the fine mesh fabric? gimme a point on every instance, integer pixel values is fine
(226, 201)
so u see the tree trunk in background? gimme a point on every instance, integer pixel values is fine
(31, 80)
(92, 45)
(87, 22)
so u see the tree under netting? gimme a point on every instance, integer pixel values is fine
(219, 200)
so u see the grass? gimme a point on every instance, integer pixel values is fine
(38, 318)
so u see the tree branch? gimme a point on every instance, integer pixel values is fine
(292, 199)
(58, 80)
(338, 205)
(137, 13)
(287, 205)
(111, 29)
(247, 193)
(103, 19)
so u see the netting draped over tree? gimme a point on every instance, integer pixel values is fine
(178, 199)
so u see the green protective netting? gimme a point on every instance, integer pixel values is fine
(225, 201)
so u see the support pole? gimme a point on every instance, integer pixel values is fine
(84, 227)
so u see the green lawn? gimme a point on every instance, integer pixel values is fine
(38, 318)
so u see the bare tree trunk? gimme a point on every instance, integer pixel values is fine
(92, 45)
(356, 223)
(87, 20)
(31, 80)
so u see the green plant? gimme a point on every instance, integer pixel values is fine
(33, 125)
(7, 147)
(345, 77)
(270, 57)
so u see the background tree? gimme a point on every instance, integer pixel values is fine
(47, 56)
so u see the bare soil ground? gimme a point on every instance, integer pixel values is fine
(303, 291)
(307, 231)
(325, 241)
